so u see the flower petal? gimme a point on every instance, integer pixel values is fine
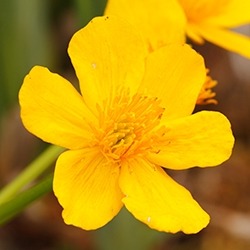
(86, 185)
(193, 34)
(236, 13)
(204, 139)
(108, 55)
(157, 200)
(53, 110)
(160, 22)
(227, 39)
(175, 74)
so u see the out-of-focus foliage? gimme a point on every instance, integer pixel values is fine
(87, 9)
(24, 42)
(27, 38)
(124, 232)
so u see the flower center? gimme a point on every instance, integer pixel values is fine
(125, 125)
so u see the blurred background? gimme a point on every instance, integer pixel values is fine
(37, 33)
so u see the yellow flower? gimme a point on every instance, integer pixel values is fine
(212, 20)
(133, 115)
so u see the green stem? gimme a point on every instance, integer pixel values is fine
(22, 200)
(38, 166)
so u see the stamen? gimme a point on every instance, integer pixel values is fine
(206, 95)
(126, 123)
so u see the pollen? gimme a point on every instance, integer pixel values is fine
(126, 124)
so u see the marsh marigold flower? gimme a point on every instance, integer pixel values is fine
(212, 20)
(132, 117)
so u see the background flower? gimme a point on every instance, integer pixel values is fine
(212, 20)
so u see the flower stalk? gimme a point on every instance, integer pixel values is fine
(14, 206)
(36, 168)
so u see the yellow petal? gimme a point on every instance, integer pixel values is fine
(53, 110)
(157, 200)
(160, 22)
(235, 13)
(222, 13)
(175, 74)
(193, 34)
(204, 139)
(108, 55)
(227, 39)
(86, 185)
